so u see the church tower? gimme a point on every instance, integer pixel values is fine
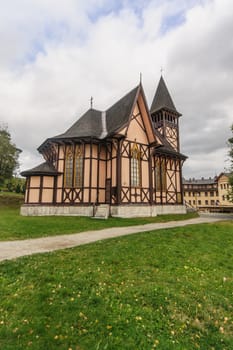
(165, 117)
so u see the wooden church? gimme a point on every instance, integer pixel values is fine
(123, 162)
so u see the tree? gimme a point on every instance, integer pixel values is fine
(15, 184)
(230, 144)
(9, 155)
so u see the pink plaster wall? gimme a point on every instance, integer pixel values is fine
(94, 173)
(113, 176)
(48, 181)
(59, 195)
(125, 172)
(102, 177)
(35, 181)
(87, 151)
(86, 172)
(60, 181)
(34, 196)
(145, 174)
(136, 133)
(47, 196)
(102, 195)
(146, 119)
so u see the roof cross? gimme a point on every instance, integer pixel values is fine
(91, 102)
(161, 70)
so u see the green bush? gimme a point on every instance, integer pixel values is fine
(15, 184)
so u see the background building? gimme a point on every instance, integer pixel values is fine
(207, 192)
(223, 188)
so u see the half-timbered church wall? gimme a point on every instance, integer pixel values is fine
(127, 158)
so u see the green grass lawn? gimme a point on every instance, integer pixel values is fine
(13, 226)
(167, 289)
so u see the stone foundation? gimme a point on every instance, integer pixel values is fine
(133, 211)
(171, 209)
(52, 210)
(123, 211)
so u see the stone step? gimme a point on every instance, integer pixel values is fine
(102, 211)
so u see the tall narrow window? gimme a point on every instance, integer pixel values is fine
(78, 176)
(69, 168)
(135, 166)
(160, 175)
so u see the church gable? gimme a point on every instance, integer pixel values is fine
(136, 130)
(139, 126)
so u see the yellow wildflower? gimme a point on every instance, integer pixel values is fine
(138, 318)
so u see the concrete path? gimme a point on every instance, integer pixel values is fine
(14, 249)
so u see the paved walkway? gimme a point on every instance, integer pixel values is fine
(14, 249)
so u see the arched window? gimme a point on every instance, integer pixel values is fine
(135, 166)
(69, 168)
(78, 176)
(74, 167)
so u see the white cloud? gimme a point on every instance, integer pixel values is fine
(56, 55)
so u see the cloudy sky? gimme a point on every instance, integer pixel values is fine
(55, 55)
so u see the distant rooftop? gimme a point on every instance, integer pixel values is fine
(201, 181)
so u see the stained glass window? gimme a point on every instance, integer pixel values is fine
(78, 179)
(69, 168)
(160, 176)
(135, 166)
(74, 168)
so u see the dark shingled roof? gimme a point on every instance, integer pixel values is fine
(94, 125)
(168, 150)
(89, 125)
(42, 169)
(118, 115)
(162, 98)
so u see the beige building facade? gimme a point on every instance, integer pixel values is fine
(126, 158)
(223, 189)
(209, 192)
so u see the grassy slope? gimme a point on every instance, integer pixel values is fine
(168, 289)
(14, 226)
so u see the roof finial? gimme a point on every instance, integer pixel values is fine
(161, 70)
(91, 102)
(140, 78)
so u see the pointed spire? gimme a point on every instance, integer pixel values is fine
(162, 98)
